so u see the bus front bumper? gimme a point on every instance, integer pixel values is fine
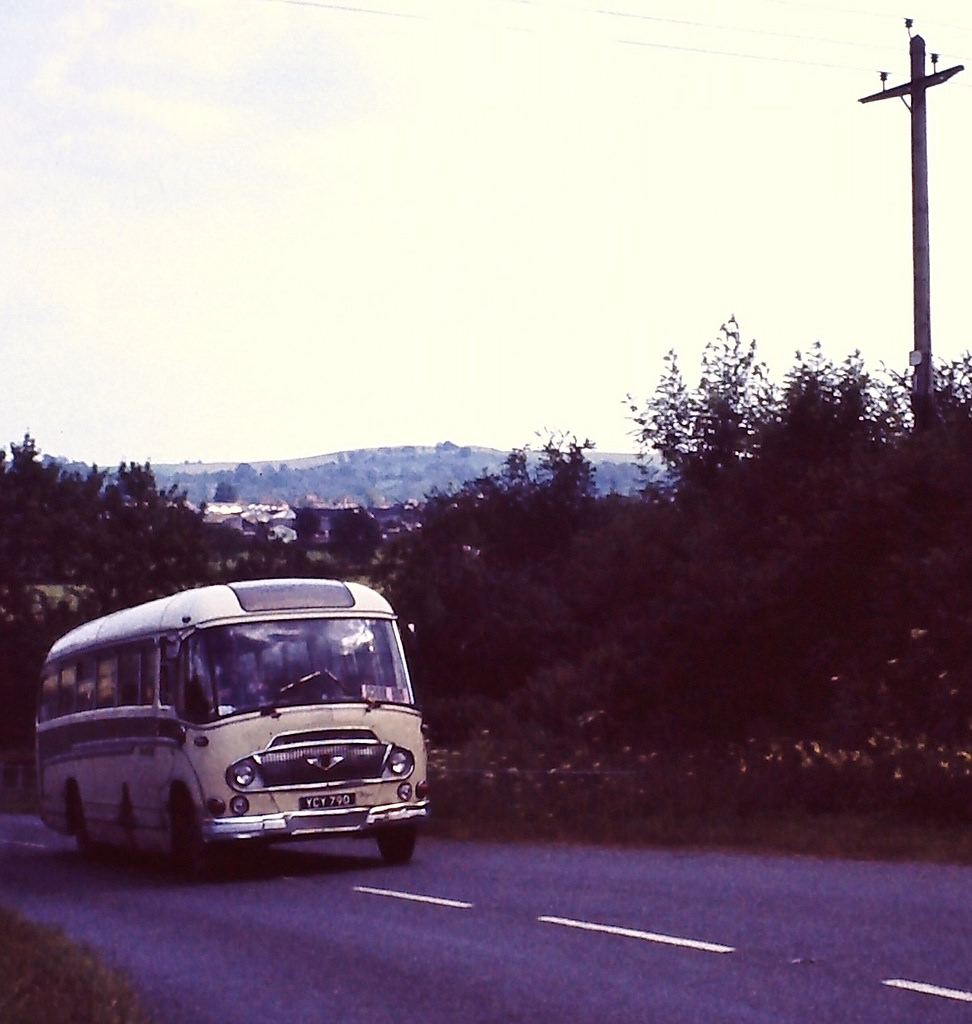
(310, 824)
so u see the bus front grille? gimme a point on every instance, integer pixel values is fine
(322, 765)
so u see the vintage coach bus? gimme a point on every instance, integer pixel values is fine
(262, 711)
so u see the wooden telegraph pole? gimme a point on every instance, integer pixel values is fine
(922, 384)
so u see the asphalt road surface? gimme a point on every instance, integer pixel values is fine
(493, 933)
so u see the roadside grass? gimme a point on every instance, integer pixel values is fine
(47, 979)
(889, 801)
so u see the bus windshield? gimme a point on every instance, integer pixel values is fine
(266, 665)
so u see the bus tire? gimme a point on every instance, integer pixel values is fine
(396, 845)
(77, 824)
(189, 854)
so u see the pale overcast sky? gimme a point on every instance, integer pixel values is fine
(238, 230)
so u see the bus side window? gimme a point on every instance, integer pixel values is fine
(150, 674)
(66, 696)
(107, 681)
(129, 667)
(47, 708)
(86, 683)
(168, 673)
(196, 704)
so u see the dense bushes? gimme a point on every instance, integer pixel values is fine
(801, 569)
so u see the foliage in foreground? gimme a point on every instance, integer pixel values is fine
(803, 568)
(46, 979)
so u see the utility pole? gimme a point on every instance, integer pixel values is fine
(922, 384)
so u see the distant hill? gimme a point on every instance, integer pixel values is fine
(367, 476)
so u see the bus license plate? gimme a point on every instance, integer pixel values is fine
(317, 803)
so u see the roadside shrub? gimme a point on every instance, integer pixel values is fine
(46, 979)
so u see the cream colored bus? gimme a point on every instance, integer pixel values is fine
(260, 711)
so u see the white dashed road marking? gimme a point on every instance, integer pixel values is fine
(413, 897)
(930, 990)
(631, 933)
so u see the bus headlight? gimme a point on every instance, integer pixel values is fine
(400, 762)
(242, 774)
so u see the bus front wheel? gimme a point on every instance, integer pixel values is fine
(396, 845)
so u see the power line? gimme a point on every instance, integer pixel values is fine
(817, 9)
(771, 58)
(682, 22)
(740, 29)
(349, 9)
(771, 33)
(832, 10)
(745, 56)
(743, 29)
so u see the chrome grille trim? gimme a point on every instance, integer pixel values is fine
(300, 739)
(321, 765)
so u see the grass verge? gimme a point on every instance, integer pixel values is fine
(810, 801)
(848, 836)
(47, 979)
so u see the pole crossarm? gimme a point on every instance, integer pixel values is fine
(910, 88)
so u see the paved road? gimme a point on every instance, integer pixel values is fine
(475, 932)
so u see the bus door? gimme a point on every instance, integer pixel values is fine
(147, 770)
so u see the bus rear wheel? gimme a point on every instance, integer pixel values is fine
(396, 845)
(190, 857)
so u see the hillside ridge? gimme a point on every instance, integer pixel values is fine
(326, 458)
(367, 476)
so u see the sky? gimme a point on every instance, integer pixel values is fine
(246, 230)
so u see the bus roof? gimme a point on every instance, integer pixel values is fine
(224, 602)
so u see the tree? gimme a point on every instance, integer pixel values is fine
(74, 546)
(700, 433)
(480, 580)
(225, 492)
(355, 535)
(148, 543)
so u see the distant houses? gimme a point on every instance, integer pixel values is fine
(255, 521)
(313, 525)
